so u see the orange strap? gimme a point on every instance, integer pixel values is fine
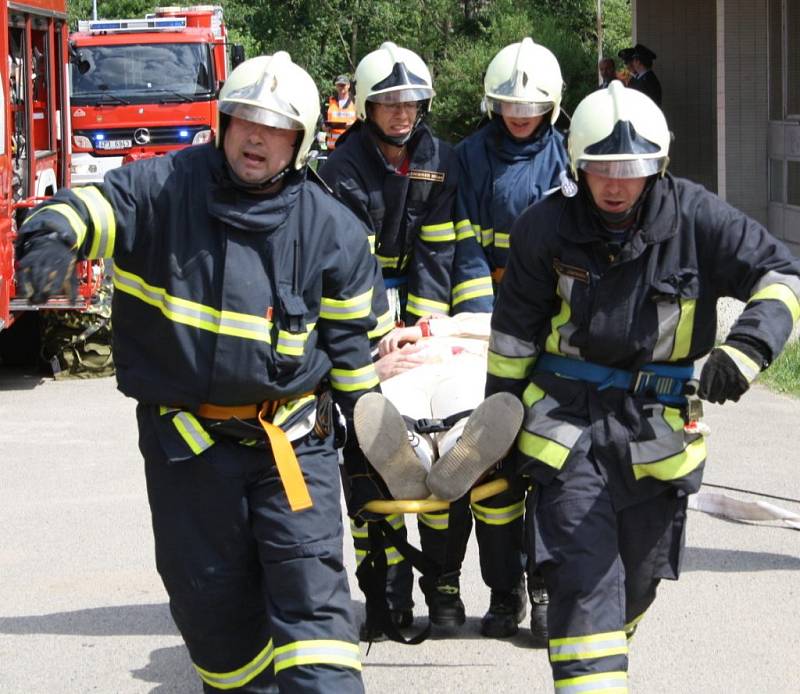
(497, 274)
(282, 450)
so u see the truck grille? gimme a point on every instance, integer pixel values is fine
(169, 135)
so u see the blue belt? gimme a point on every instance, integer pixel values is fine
(666, 382)
(393, 282)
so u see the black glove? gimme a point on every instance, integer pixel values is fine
(46, 267)
(721, 379)
(361, 484)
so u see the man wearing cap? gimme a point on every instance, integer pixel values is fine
(340, 111)
(639, 61)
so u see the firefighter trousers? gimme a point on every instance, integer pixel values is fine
(601, 567)
(258, 592)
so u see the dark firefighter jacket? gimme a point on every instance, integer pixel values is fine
(223, 297)
(654, 302)
(410, 220)
(647, 83)
(500, 177)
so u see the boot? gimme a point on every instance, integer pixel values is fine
(445, 607)
(383, 437)
(539, 603)
(370, 631)
(488, 434)
(507, 609)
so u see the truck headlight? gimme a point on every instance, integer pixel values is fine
(202, 137)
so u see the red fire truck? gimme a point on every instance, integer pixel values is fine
(143, 87)
(34, 152)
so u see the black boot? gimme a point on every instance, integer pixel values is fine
(506, 610)
(371, 630)
(539, 602)
(445, 606)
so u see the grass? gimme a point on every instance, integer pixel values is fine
(784, 374)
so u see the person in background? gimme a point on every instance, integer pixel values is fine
(514, 161)
(607, 69)
(340, 112)
(639, 62)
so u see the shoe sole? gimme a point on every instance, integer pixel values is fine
(383, 437)
(488, 434)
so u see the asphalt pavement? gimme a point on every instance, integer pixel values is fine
(83, 610)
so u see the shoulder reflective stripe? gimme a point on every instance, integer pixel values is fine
(388, 261)
(371, 240)
(502, 239)
(103, 221)
(792, 282)
(747, 367)
(422, 307)
(487, 237)
(346, 309)
(669, 467)
(553, 342)
(192, 432)
(587, 647)
(437, 233)
(509, 346)
(317, 652)
(292, 407)
(238, 678)
(472, 289)
(435, 521)
(464, 230)
(349, 380)
(508, 367)
(75, 222)
(498, 516)
(782, 293)
(190, 313)
(385, 324)
(597, 683)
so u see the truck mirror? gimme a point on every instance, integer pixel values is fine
(237, 54)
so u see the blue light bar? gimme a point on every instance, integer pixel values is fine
(183, 133)
(99, 136)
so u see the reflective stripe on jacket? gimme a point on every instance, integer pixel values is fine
(338, 119)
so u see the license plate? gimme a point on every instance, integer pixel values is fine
(113, 144)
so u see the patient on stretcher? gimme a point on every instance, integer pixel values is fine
(431, 432)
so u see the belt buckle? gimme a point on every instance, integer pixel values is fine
(429, 426)
(642, 381)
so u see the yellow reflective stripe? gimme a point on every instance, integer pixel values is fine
(487, 236)
(435, 521)
(389, 262)
(464, 230)
(498, 516)
(385, 324)
(437, 233)
(396, 520)
(288, 409)
(746, 366)
(422, 307)
(597, 683)
(508, 367)
(75, 222)
(103, 221)
(591, 646)
(553, 342)
(349, 380)
(317, 652)
(502, 240)
(782, 293)
(471, 289)
(346, 309)
(683, 333)
(371, 239)
(532, 395)
(292, 344)
(191, 313)
(541, 448)
(393, 557)
(192, 432)
(672, 416)
(240, 677)
(676, 466)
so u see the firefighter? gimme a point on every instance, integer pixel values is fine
(608, 300)
(242, 290)
(400, 180)
(510, 163)
(340, 111)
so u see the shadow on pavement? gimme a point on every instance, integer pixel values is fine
(171, 670)
(12, 378)
(724, 560)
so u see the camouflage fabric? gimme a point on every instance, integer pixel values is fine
(77, 344)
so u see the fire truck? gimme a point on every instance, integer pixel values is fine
(34, 147)
(143, 87)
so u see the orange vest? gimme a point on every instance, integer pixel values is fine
(338, 119)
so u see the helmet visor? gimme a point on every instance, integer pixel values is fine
(260, 115)
(399, 96)
(517, 109)
(625, 168)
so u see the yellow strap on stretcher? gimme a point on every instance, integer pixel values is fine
(282, 450)
(389, 506)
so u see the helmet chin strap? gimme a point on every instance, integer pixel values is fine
(395, 140)
(262, 186)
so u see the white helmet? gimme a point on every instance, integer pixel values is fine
(618, 133)
(272, 90)
(523, 80)
(391, 75)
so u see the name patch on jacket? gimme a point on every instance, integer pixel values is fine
(577, 273)
(423, 175)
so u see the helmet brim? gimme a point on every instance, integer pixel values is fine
(260, 114)
(622, 168)
(401, 95)
(518, 109)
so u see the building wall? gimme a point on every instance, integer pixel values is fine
(683, 36)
